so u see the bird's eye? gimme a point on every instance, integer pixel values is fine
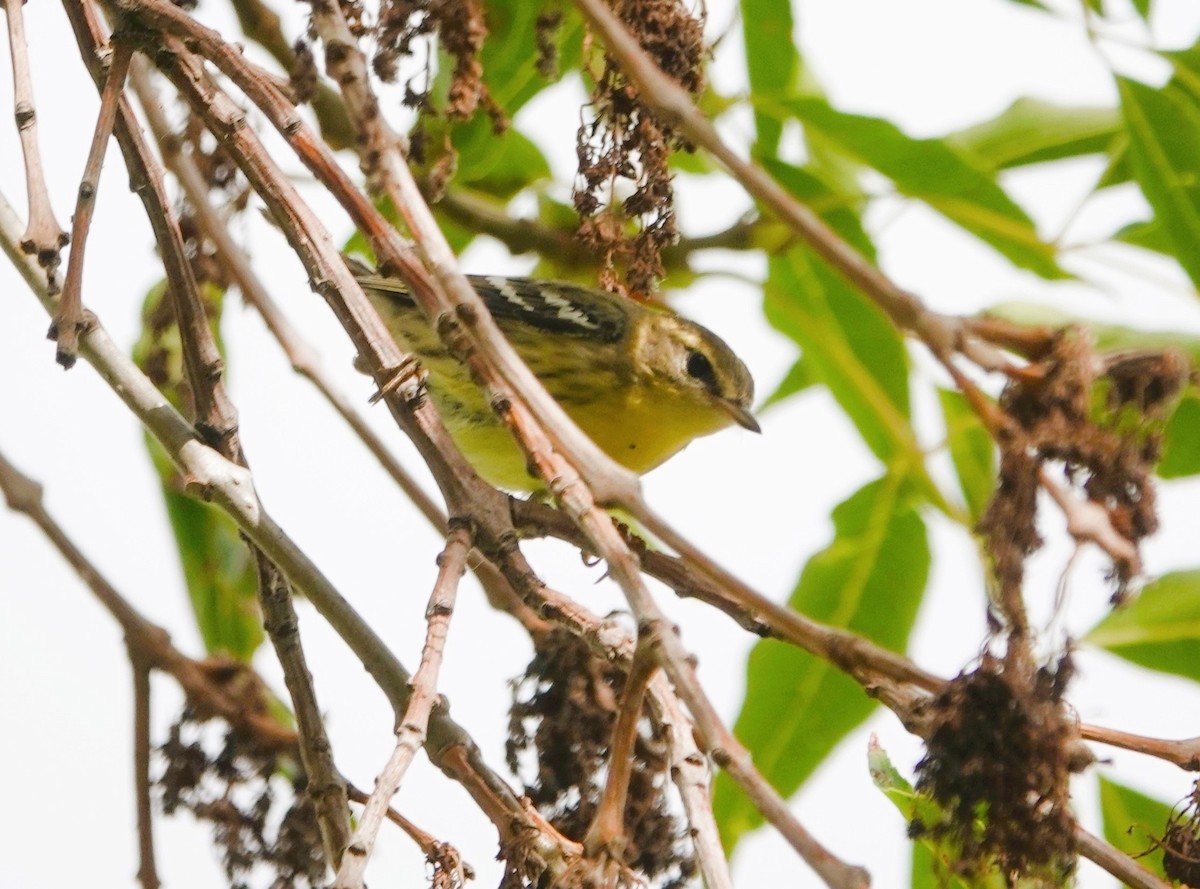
(700, 368)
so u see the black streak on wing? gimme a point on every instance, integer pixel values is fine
(553, 306)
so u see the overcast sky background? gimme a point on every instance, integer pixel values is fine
(762, 507)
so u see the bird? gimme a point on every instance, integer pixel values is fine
(641, 381)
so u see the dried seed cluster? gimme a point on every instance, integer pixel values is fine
(1181, 842)
(1102, 419)
(563, 711)
(626, 142)
(999, 753)
(235, 791)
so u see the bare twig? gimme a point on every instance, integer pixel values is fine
(607, 831)
(410, 732)
(434, 849)
(1184, 753)
(43, 236)
(1089, 522)
(147, 872)
(70, 311)
(1116, 862)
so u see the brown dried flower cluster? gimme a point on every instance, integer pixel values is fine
(999, 752)
(627, 142)
(1102, 420)
(236, 791)
(563, 712)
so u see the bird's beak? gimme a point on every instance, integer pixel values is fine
(740, 415)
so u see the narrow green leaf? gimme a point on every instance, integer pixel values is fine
(218, 569)
(933, 859)
(1148, 235)
(971, 449)
(870, 580)
(1132, 822)
(936, 860)
(850, 345)
(1181, 441)
(932, 171)
(1164, 130)
(221, 578)
(772, 63)
(1143, 9)
(1160, 629)
(1031, 131)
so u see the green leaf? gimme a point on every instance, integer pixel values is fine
(849, 345)
(1148, 235)
(798, 378)
(497, 165)
(221, 578)
(971, 449)
(218, 569)
(772, 63)
(870, 580)
(1031, 131)
(508, 57)
(1132, 821)
(933, 859)
(1143, 9)
(1036, 4)
(1160, 629)
(838, 209)
(934, 172)
(1164, 128)
(1181, 453)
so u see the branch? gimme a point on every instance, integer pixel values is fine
(149, 644)
(1184, 753)
(43, 235)
(410, 733)
(1117, 863)
(147, 872)
(69, 320)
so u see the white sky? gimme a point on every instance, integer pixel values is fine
(932, 66)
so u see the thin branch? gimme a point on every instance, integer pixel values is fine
(1183, 753)
(43, 236)
(70, 310)
(147, 871)
(410, 733)
(754, 612)
(262, 25)
(607, 831)
(486, 215)
(439, 854)
(1089, 522)
(1116, 862)
(692, 777)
